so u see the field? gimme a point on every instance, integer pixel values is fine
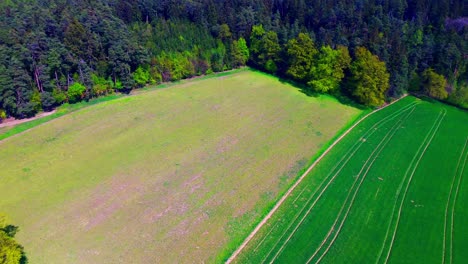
(180, 174)
(393, 190)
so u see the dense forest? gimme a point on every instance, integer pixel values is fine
(57, 51)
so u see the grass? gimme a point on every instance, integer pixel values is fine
(169, 174)
(64, 109)
(386, 193)
(8, 131)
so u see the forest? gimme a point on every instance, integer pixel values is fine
(64, 51)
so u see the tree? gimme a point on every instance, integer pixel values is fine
(59, 96)
(460, 95)
(271, 49)
(10, 251)
(256, 37)
(301, 52)
(2, 115)
(369, 78)
(101, 86)
(240, 52)
(265, 48)
(7, 91)
(328, 70)
(47, 101)
(141, 76)
(434, 84)
(224, 33)
(218, 57)
(76, 92)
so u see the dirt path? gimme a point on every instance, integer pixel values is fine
(13, 122)
(288, 193)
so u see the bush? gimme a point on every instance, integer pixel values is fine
(59, 96)
(2, 115)
(101, 86)
(141, 76)
(76, 92)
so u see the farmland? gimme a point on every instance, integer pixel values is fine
(393, 190)
(182, 173)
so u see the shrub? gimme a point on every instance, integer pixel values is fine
(76, 92)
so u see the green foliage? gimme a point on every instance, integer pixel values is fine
(10, 251)
(101, 86)
(265, 48)
(301, 52)
(75, 92)
(434, 84)
(369, 79)
(415, 83)
(240, 52)
(460, 95)
(47, 100)
(224, 33)
(113, 39)
(141, 76)
(2, 115)
(59, 96)
(36, 101)
(328, 71)
(218, 57)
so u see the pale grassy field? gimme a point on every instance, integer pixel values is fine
(174, 175)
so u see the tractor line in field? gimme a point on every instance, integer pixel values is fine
(334, 173)
(299, 195)
(358, 144)
(421, 151)
(261, 242)
(455, 176)
(377, 152)
(286, 195)
(454, 203)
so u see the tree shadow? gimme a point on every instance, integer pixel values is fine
(303, 88)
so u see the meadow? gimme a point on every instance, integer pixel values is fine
(392, 191)
(182, 173)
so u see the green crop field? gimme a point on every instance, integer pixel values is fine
(180, 174)
(393, 190)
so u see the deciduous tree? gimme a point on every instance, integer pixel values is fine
(369, 78)
(328, 70)
(301, 52)
(434, 84)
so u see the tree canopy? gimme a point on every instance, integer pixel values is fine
(369, 80)
(10, 251)
(48, 45)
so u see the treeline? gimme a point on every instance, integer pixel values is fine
(56, 51)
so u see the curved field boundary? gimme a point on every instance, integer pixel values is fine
(323, 190)
(333, 174)
(286, 195)
(458, 174)
(412, 167)
(377, 152)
